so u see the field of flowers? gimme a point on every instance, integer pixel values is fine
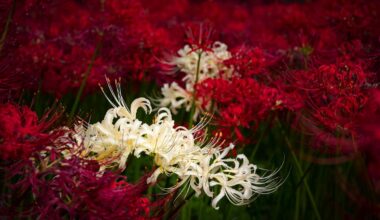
(189, 109)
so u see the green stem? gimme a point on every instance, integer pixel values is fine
(192, 110)
(297, 209)
(301, 173)
(257, 145)
(84, 81)
(36, 100)
(7, 23)
(262, 134)
(308, 169)
(181, 207)
(308, 191)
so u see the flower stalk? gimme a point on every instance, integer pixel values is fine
(193, 103)
(7, 24)
(85, 77)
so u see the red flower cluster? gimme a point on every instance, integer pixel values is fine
(315, 59)
(41, 182)
(22, 133)
(242, 103)
(247, 98)
(334, 96)
(58, 43)
(73, 188)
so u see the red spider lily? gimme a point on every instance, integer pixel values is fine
(49, 63)
(322, 25)
(241, 103)
(192, 14)
(340, 113)
(56, 42)
(50, 44)
(41, 182)
(22, 133)
(199, 37)
(248, 62)
(334, 98)
(328, 83)
(73, 188)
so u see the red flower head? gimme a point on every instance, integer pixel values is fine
(199, 36)
(248, 62)
(69, 186)
(21, 132)
(241, 102)
(335, 96)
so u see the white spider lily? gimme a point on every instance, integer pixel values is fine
(198, 65)
(175, 97)
(176, 151)
(107, 139)
(209, 63)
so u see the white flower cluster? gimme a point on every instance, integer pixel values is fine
(197, 65)
(176, 150)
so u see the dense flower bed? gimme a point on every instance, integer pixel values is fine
(115, 109)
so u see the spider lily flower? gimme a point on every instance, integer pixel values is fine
(107, 139)
(198, 65)
(202, 166)
(175, 97)
(72, 190)
(22, 133)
